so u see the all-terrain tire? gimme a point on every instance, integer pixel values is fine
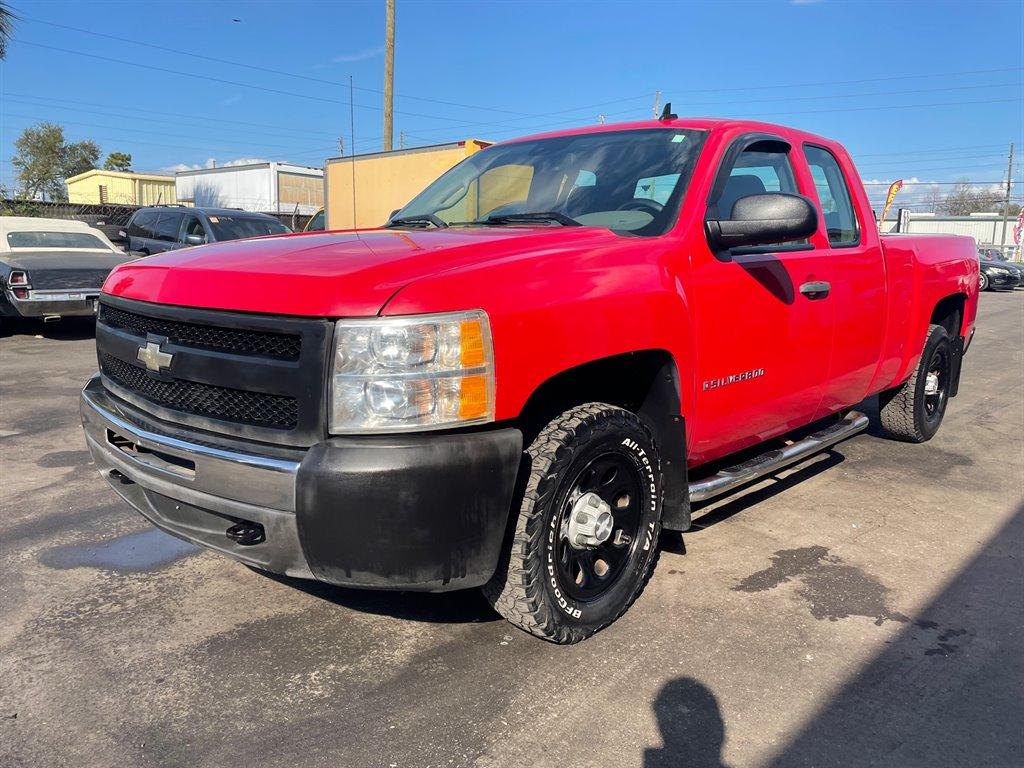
(525, 589)
(904, 410)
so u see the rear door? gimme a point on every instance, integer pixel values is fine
(858, 292)
(763, 338)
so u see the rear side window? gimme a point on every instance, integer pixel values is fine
(54, 240)
(167, 225)
(142, 224)
(833, 196)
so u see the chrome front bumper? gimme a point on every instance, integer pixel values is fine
(197, 490)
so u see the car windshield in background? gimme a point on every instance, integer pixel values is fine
(238, 227)
(627, 181)
(72, 240)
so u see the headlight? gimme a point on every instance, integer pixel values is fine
(998, 271)
(397, 374)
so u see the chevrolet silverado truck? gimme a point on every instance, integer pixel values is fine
(530, 370)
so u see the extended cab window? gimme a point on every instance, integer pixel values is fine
(833, 196)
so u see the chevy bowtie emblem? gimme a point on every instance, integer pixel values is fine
(154, 357)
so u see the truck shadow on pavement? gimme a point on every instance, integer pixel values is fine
(718, 511)
(459, 607)
(944, 691)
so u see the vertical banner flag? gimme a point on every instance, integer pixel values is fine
(895, 187)
(1018, 228)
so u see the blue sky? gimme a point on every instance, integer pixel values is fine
(918, 90)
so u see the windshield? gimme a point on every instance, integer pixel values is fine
(71, 240)
(628, 181)
(238, 227)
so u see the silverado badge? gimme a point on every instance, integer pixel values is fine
(726, 380)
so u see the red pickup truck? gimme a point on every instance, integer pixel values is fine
(531, 370)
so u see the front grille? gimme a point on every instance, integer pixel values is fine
(255, 408)
(236, 341)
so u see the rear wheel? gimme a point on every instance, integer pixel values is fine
(913, 411)
(585, 540)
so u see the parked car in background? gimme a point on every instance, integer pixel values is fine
(52, 268)
(318, 223)
(531, 369)
(999, 275)
(167, 228)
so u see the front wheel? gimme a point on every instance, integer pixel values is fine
(983, 282)
(585, 540)
(913, 411)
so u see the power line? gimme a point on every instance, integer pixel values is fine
(30, 99)
(927, 151)
(310, 78)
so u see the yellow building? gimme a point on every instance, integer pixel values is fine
(120, 187)
(386, 180)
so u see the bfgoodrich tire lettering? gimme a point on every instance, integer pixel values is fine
(594, 446)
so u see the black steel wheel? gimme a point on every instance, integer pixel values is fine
(913, 411)
(586, 572)
(585, 540)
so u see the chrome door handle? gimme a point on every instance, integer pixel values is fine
(815, 290)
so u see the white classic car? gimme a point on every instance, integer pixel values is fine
(51, 268)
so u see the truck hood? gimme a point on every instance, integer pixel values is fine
(329, 274)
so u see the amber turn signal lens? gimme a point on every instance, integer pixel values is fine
(473, 397)
(472, 338)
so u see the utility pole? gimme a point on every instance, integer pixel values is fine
(600, 119)
(1006, 200)
(401, 139)
(389, 73)
(657, 104)
(341, 145)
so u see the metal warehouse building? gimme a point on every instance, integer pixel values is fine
(985, 228)
(99, 187)
(263, 187)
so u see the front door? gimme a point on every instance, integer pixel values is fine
(764, 336)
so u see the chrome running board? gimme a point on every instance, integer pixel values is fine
(732, 477)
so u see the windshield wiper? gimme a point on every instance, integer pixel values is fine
(418, 220)
(526, 218)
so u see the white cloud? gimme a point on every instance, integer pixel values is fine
(211, 162)
(368, 53)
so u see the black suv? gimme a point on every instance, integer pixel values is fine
(165, 228)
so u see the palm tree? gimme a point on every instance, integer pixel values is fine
(7, 18)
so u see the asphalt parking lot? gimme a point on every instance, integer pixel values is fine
(864, 608)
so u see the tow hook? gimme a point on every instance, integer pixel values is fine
(246, 533)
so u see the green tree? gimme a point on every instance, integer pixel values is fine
(7, 19)
(43, 159)
(118, 161)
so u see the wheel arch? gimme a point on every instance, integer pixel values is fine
(645, 382)
(949, 313)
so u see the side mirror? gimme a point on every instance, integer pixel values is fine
(765, 219)
(195, 239)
